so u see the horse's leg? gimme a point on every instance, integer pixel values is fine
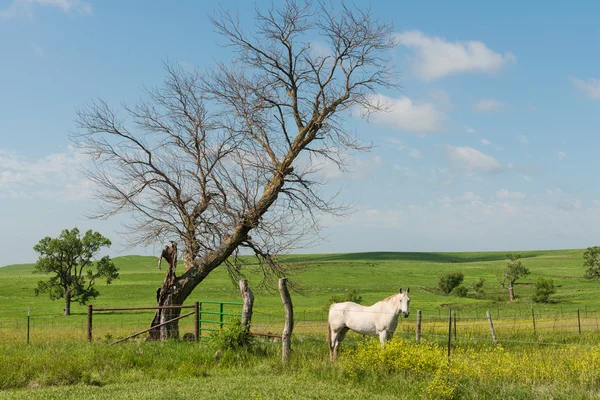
(383, 337)
(340, 334)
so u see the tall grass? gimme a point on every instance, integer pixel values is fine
(403, 369)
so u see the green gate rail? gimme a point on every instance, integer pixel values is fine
(221, 313)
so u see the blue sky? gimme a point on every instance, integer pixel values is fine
(492, 143)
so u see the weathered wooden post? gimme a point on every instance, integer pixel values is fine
(449, 334)
(418, 325)
(489, 317)
(90, 310)
(248, 303)
(28, 323)
(578, 322)
(286, 336)
(455, 326)
(533, 319)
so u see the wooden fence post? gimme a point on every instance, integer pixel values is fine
(578, 322)
(90, 310)
(248, 303)
(489, 317)
(455, 326)
(449, 334)
(533, 319)
(286, 336)
(28, 323)
(418, 325)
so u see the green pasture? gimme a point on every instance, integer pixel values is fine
(316, 279)
(59, 363)
(319, 277)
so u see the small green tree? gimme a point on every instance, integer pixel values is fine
(543, 289)
(450, 280)
(353, 296)
(461, 291)
(478, 286)
(591, 259)
(514, 271)
(70, 258)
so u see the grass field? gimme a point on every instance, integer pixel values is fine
(60, 364)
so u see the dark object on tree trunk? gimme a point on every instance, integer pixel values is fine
(165, 297)
(209, 158)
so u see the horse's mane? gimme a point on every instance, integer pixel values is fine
(390, 297)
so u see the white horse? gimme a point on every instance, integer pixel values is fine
(379, 319)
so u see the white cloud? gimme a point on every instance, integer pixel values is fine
(470, 196)
(523, 139)
(472, 159)
(442, 176)
(54, 176)
(485, 142)
(353, 167)
(561, 155)
(37, 50)
(414, 153)
(435, 57)
(319, 49)
(406, 115)
(25, 7)
(570, 205)
(505, 194)
(468, 129)
(591, 87)
(406, 171)
(527, 178)
(486, 105)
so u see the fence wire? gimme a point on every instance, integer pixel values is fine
(542, 327)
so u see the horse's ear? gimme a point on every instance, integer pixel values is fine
(400, 291)
(407, 290)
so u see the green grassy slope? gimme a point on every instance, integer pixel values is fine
(374, 275)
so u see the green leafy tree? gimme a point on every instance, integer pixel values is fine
(353, 296)
(514, 271)
(478, 286)
(70, 259)
(461, 291)
(450, 280)
(591, 259)
(543, 289)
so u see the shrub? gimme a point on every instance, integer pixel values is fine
(543, 289)
(461, 291)
(450, 280)
(233, 336)
(478, 286)
(352, 296)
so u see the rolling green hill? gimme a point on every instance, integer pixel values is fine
(320, 276)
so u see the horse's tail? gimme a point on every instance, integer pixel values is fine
(329, 344)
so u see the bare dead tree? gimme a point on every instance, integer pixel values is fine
(210, 157)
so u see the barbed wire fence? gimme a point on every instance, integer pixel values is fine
(533, 326)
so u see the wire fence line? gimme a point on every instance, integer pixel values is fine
(560, 326)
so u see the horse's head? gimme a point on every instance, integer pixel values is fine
(404, 302)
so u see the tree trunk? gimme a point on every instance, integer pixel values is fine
(168, 295)
(175, 290)
(511, 292)
(67, 303)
